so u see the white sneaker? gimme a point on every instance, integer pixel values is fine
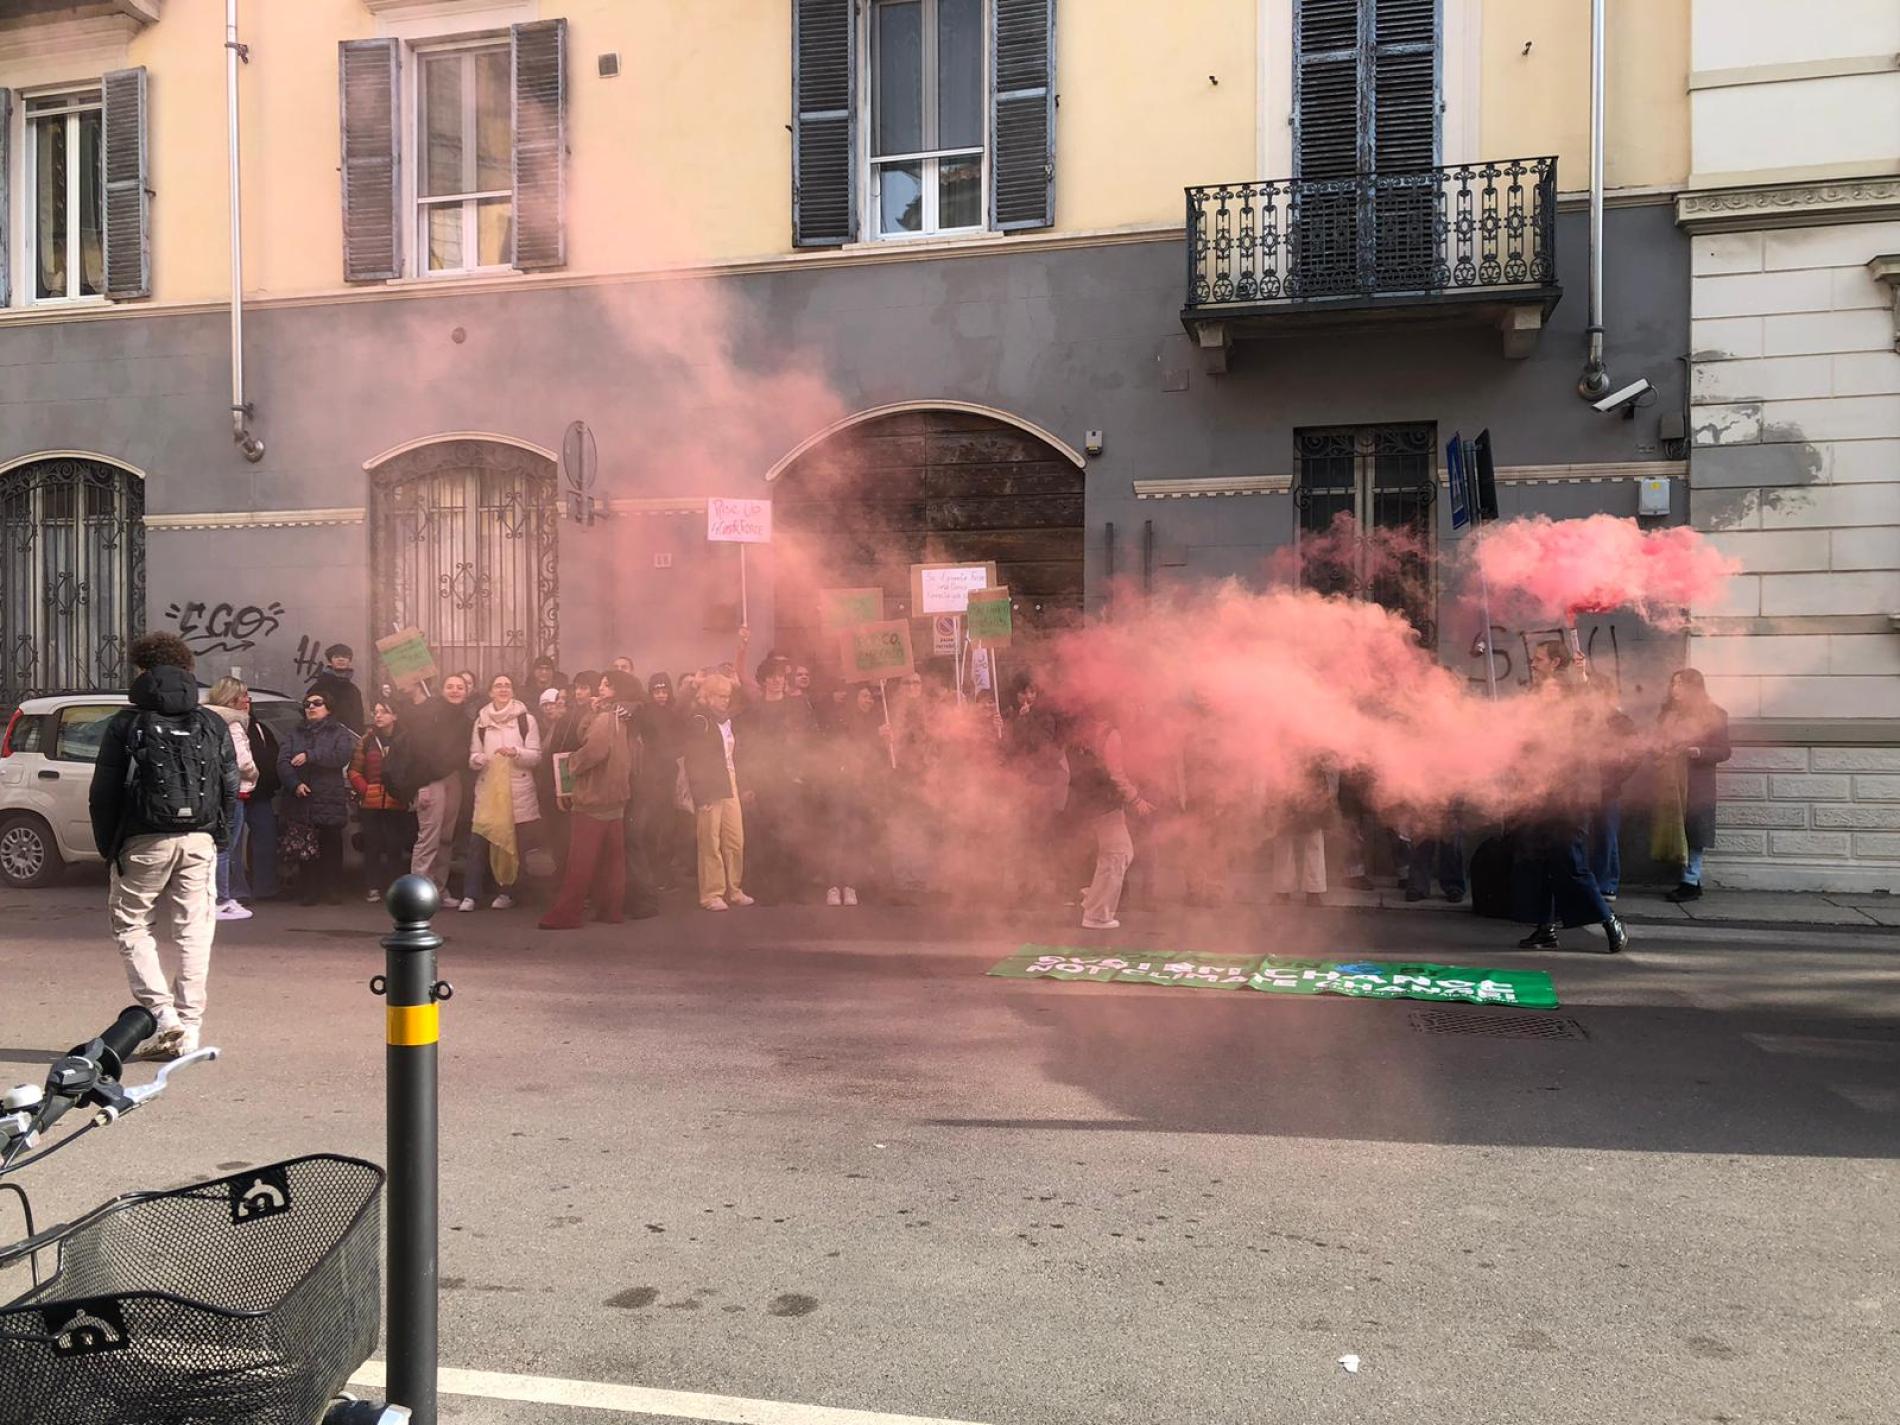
(373, 897)
(186, 1043)
(1101, 925)
(164, 1044)
(502, 903)
(832, 897)
(716, 903)
(850, 895)
(231, 910)
(467, 904)
(740, 898)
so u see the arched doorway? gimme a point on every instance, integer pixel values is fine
(464, 545)
(72, 575)
(933, 484)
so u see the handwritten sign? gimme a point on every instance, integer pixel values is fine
(989, 618)
(839, 609)
(406, 658)
(945, 588)
(873, 652)
(739, 521)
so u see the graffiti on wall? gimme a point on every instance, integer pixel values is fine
(1601, 652)
(225, 628)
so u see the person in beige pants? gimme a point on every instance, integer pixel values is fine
(162, 836)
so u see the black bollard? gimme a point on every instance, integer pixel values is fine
(411, 993)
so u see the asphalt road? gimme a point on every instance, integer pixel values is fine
(816, 1156)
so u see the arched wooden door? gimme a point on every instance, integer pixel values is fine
(930, 485)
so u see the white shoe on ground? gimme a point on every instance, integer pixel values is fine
(1101, 924)
(740, 898)
(850, 895)
(467, 904)
(714, 903)
(502, 903)
(833, 897)
(231, 910)
(187, 1043)
(373, 897)
(164, 1044)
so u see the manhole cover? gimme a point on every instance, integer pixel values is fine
(1496, 1026)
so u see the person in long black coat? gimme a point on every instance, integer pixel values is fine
(1696, 730)
(311, 763)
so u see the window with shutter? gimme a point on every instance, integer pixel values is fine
(1365, 103)
(369, 73)
(540, 144)
(824, 103)
(127, 236)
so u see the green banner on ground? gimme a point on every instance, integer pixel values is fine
(1051, 962)
(1272, 974)
(1376, 979)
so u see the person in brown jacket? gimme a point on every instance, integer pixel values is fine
(602, 768)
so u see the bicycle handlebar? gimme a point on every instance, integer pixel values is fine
(132, 1028)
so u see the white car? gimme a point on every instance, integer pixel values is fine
(46, 760)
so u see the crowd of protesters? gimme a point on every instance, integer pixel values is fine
(598, 793)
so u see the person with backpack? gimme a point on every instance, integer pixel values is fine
(504, 751)
(311, 763)
(389, 827)
(163, 804)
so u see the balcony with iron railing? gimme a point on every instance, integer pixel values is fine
(1469, 242)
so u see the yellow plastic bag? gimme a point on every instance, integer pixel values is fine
(1668, 840)
(495, 821)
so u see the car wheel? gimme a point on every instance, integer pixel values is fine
(28, 857)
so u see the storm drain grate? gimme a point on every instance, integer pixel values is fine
(1496, 1026)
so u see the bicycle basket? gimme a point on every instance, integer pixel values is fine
(250, 1298)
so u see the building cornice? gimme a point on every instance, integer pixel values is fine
(258, 519)
(1790, 205)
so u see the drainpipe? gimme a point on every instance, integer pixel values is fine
(1595, 380)
(234, 52)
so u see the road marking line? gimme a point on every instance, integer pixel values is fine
(641, 1400)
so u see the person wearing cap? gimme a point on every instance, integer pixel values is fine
(336, 685)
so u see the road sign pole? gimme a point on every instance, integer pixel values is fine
(745, 612)
(412, 1033)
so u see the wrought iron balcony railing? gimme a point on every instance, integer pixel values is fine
(1375, 239)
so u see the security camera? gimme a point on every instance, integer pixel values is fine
(1624, 400)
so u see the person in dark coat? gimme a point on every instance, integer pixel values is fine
(655, 811)
(777, 733)
(337, 684)
(1696, 731)
(254, 875)
(311, 763)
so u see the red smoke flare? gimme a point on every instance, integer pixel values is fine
(1560, 568)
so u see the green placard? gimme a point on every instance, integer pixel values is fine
(873, 652)
(406, 657)
(839, 609)
(988, 618)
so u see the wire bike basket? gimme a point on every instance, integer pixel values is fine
(251, 1298)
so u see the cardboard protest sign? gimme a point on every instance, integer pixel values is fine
(873, 652)
(839, 609)
(1145, 967)
(990, 618)
(406, 658)
(945, 588)
(563, 774)
(739, 521)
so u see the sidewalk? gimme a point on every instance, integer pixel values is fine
(1723, 907)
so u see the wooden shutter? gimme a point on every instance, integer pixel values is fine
(1404, 83)
(824, 123)
(6, 187)
(540, 154)
(1022, 69)
(128, 205)
(1365, 87)
(368, 74)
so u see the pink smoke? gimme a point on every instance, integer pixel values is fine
(1560, 568)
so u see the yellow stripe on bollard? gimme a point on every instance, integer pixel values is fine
(413, 1024)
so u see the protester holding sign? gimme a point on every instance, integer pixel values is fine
(603, 766)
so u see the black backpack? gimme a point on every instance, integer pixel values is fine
(174, 771)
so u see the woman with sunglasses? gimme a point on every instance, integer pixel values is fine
(311, 763)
